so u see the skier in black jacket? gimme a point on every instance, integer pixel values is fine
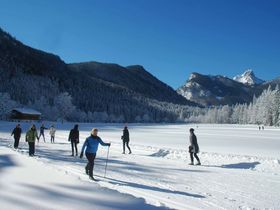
(193, 148)
(74, 137)
(125, 138)
(16, 133)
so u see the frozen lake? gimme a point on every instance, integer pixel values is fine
(227, 139)
(240, 164)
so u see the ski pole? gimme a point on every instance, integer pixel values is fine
(106, 162)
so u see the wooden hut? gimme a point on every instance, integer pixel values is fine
(25, 114)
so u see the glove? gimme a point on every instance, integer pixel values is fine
(81, 155)
(109, 144)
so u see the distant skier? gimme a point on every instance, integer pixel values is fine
(193, 148)
(42, 132)
(125, 138)
(259, 128)
(263, 127)
(30, 137)
(74, 138)
(52, 133)
(91, 144)
(16, 133)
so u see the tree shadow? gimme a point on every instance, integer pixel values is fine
(6, 161)
(190, 170)
(62, 143)
(151, 188)
(90, 195)
(120, 166)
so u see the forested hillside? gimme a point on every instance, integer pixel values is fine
(82, 92)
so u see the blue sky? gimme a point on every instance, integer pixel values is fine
(170, 38)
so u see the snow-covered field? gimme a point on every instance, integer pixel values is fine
(240, 169)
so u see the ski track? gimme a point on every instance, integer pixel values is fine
(162, 177)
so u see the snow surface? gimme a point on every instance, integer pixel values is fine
(241, 168)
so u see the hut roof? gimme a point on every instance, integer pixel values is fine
(27, 111)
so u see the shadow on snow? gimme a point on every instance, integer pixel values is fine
(243, 165)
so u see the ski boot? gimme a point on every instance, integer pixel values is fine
(92, 178)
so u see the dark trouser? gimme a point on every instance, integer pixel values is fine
(126, 143)
(31, 148)
(195, 155)
(41, 134)
(16, 142)
(90, 164)
(52, 139)
(74, 144)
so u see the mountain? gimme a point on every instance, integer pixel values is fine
(215, 90)
(248, 78)
(15, 56)
(134, 78)
(209, 90)
(96, 91)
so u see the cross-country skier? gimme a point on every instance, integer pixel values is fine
(193, 148)
(91, 144)
(52, 133)
(74, 138)
(42, 132)
(125, 138)
(30, 137)
(16, 133)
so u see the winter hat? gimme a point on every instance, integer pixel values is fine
(191, 130)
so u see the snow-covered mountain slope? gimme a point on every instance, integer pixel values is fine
(220, 90)
(248, 78)
(215, 90)
(240, 169)
(133, 78)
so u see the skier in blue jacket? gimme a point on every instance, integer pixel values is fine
(91, 144)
